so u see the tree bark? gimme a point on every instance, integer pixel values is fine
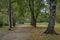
(14, 22)
(9, 14)
(50, 29)
(33, 19)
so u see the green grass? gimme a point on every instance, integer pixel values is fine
(3, 29)
(41, 36)
(45, 24)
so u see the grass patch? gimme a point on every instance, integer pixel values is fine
(41, 27)
(3, 29)
(39, 35)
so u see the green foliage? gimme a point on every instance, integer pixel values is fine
(5, 23)
(1, 22)
(58, 12)
(21, 12)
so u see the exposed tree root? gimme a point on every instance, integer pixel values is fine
(51, 32)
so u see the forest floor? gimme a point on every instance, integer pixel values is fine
(22, 32)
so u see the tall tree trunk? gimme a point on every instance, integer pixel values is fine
(9, 14)
(33, 19)
(50, 29)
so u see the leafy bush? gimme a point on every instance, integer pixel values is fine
(5, 23)
(58, 17)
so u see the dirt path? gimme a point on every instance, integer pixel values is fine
(21, 33)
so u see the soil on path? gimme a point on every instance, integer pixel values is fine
(21, 33)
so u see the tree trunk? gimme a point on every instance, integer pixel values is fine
(14, 22)
(50, 29)
(9, 14)
(33, 19)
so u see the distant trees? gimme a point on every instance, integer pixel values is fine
(21, 6)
